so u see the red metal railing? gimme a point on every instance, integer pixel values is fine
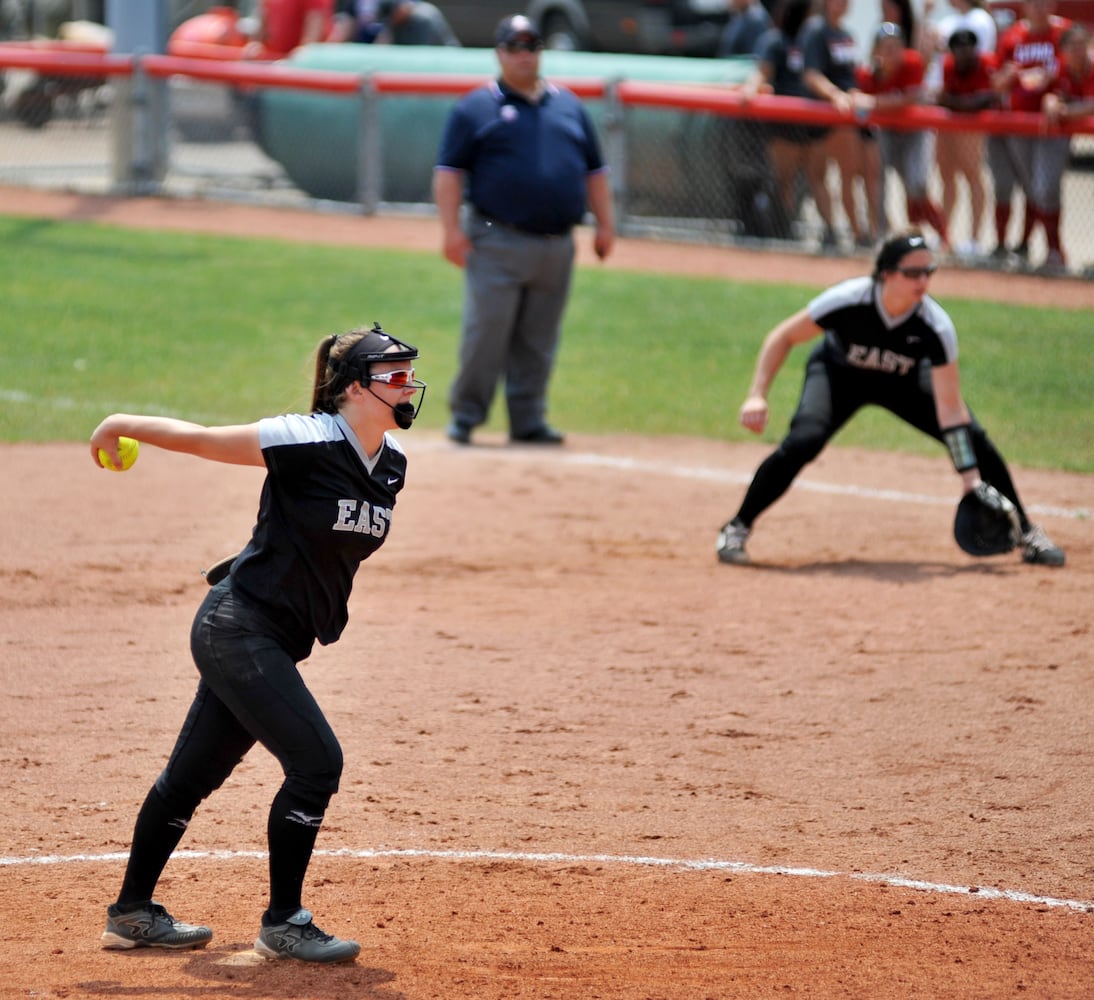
(60, 58)
(729, 101)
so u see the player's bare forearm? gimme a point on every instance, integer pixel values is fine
(949, 403)
(235, 444)
(796, 329)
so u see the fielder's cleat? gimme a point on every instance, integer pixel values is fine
(731, 543)
(151, 927)
(299, 938)
(1039, 549)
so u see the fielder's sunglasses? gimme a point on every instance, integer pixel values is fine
(915, 273)
(401, 379)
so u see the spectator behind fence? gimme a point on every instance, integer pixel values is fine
(793, 147)
(972, 15)
(893, 81)
(413, 22)
(969, 14)
(966, 87)
(1028, 59)
(748, 20)
(748, 172)
(356, 21)
(829, 60)
(916, 35)
(525, 154)
(284, 25)
(1070, 95)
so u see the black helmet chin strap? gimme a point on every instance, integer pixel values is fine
(374, 346)
(404, 412)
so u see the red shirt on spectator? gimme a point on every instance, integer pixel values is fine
(1032, 51)
(907, 78)
(1072, 89)
(283, 22)
(975, 81)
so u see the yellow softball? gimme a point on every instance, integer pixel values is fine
(127, 452)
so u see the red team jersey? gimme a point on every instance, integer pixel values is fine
(1031, 50)
(974, 82)
(907, 78)
(1070, 89)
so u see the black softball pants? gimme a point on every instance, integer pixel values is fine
(831, 395)
(250, 691)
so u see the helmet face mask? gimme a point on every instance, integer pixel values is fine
(374, 346)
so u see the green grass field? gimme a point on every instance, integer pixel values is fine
(219, 329)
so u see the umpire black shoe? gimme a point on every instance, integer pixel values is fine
(459, 432)
(541, 435)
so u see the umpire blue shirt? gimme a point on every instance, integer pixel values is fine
(526, 163)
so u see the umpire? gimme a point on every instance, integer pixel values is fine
(525, 155)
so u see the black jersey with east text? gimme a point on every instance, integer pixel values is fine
(325, 506)
(859, 333)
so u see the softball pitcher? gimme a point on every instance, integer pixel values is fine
(332, 477)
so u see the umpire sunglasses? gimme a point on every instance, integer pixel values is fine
(522, 45)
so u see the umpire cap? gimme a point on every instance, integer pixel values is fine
(516, 26)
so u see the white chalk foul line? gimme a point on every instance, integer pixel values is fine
(685, 864)
(717, 475)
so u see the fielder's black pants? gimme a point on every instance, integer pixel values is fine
(831, 395)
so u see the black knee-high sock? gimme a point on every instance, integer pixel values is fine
(772, 479)
(156, 834)
(292, 828)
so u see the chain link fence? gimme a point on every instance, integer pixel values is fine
(678, 172)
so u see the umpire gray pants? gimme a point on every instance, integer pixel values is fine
(516, 285)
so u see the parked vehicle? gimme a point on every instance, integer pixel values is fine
(652, 27)
(649, 27)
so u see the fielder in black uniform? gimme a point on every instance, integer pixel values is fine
(331, 481)
(885, 342)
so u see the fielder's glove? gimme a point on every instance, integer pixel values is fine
(986, 522)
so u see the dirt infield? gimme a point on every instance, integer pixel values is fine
(583, 759)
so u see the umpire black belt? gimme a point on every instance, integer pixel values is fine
(523, 230)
